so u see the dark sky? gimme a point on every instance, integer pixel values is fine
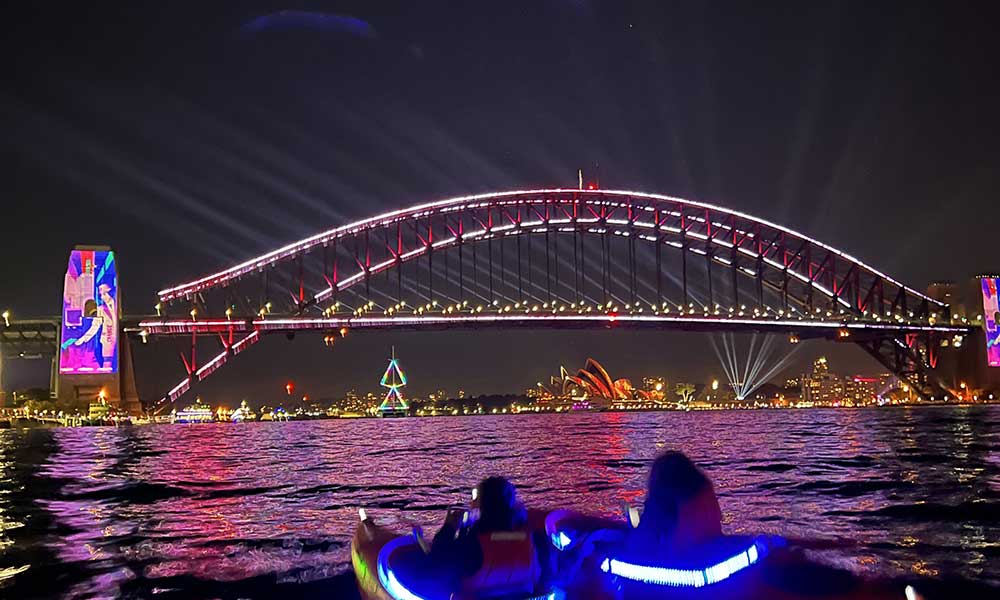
(190, 136)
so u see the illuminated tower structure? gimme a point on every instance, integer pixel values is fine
(393, 405)
(94, 358)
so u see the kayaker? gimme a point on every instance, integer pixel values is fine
(495, 554)
(681, 512)
(681, 508)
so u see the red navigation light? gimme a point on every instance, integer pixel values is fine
(289, 387)
(591, 186)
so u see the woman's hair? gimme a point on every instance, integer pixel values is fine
(673, 480)
(498, 507)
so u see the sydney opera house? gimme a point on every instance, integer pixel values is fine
(592, 383)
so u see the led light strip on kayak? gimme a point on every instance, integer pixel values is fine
(685, 577)
(398, 591)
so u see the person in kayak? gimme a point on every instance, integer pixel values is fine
(496, 554)
(681, 508)
(681, 513)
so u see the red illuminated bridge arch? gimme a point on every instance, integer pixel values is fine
(559, 258)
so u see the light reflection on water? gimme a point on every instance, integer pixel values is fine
(118, 510)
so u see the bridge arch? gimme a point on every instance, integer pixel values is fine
(630, 256)
(722, 236)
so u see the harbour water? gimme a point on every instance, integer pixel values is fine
(267, 509)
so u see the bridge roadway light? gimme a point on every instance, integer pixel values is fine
(6, 318)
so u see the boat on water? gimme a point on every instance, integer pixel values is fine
(592, 565)
(195, 413)
(242, 414)
(278, 414)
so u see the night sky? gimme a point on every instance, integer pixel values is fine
(192, 136)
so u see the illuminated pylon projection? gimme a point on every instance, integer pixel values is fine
(393, 378)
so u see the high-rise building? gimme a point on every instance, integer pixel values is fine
(861, 390)
(947, 292)
(821, 386)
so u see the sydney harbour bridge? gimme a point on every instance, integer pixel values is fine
(557, 258)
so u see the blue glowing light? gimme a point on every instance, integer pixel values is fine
(683, 577)
(387, 578)
(398, 591)
(560, 540)
(300, 20)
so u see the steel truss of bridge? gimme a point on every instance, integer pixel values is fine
(560, 258)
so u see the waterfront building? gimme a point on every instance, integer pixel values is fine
(594, 387)
(821, 387)
(861, 391)
(949, 293)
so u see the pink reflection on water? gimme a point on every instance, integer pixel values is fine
(227, 502)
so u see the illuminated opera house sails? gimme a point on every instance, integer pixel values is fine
(592, 381)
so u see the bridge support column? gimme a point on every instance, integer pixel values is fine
(907, 358)
(93, 359)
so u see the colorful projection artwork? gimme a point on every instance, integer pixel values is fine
(991, 321)
(90, 314)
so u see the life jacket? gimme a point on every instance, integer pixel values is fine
(693, 554)
(510, 566)
(699, 520)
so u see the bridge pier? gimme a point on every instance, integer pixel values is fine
(93, 358)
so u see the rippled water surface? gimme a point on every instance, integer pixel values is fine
(267, 509)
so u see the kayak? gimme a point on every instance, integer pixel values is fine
(390, 565)
(738, 567)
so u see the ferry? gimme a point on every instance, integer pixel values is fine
(242, 414)
(196, 413)
(98, 411)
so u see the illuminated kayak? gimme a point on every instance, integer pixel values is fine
(729, 567)
(389, 565)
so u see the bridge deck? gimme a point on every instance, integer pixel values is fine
(691, 323)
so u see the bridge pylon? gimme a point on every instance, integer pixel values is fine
(94, 358)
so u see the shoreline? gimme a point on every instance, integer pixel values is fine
(26, 423)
